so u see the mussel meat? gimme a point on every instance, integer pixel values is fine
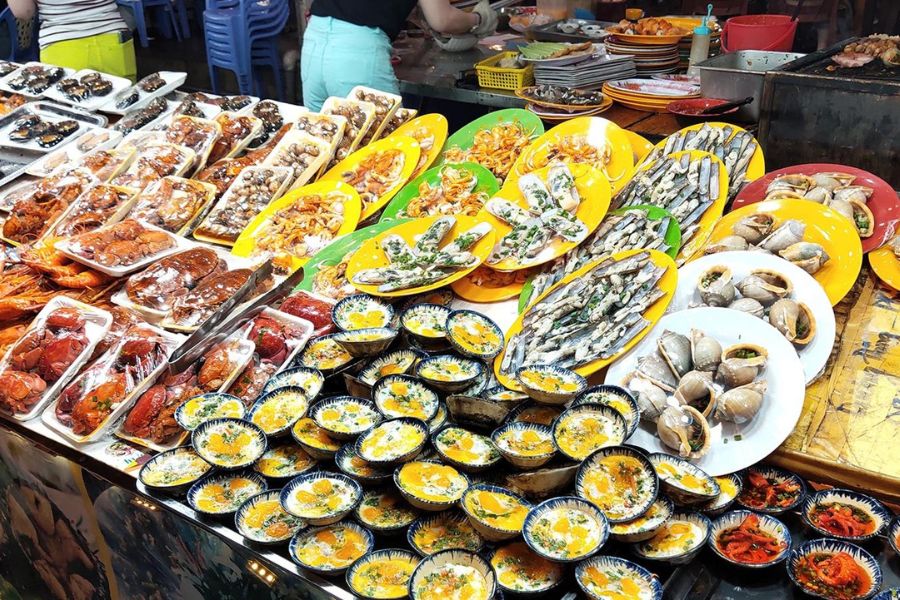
(676, 351)
(794, 320)
(809, 256)
(741, 404)
(706, 352)
(754, 227)
(749, 306)
(715, 286)
(789, 232)
(684, 429)
(696, 389)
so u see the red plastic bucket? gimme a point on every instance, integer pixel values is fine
(759, 32)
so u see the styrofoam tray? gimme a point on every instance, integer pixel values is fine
(25, 92)
(72, 151)
(91, 102)
(173, 79)
(296, 344)
(32, 144)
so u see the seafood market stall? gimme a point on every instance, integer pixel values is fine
(250, 350)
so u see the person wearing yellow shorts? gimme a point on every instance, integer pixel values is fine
(82, 34)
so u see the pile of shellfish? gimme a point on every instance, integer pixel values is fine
(835, 190)
(764, 294)
(761, 231)
(690, 381)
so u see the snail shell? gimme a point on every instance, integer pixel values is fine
(794, 320)
(651, 399)
(653, 368)
(741, 404)
(676, 351)
(696, 389)
(749, 306)
(754, 227)
(715, 286)
(750, 354)
(685, 430)
(735, 372)
(728, 243)
(789, 232)
(809, 256)
(706, 352)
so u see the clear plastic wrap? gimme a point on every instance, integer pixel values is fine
(172, 203)
(237, 131)
(156, 161)
(121, 248)
(100, 205)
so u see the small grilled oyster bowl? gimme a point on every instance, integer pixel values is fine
(174, 471)
(262, 520)
(504, 395)
(678, 541)
(283, 462)
(893, 534)
(599, 576)
(549, 384)
(544, 482)
(439, 419)
(644, 527)
(331, 549)
(620, 481)
(311, 380)
(362, 471)
(754, 498)
(496, 513)
(356, 387)
(314, 440)
(449, 373)
(476, 412)
(430, 485)
(584, 429)
(382, 574)
(470, 576)
(426, 324)
(325, 355)
(276, 412)
(480, 383)
(766, 523)
(820, 508)
(398, 396)
(615, 397)
(829, 547)
(360, 343)
(685, 483)
(396, 362)
(565, 529)
(521, 572)
(361, 311)
(222, 494)
(392, 442)
(320, 498)
(345, 417)
(473, 334)
(205, 407)
(229, 443)
(443, 530)
(525, 445)
(385, 511)
(729, 488)
(464, 449)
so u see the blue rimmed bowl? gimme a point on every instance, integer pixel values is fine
(614, 570)
(325, 355)
(320, 497)
(893, 535)
(276, 412)
(828, 547)
(450, 529)
(392, 442)
(396, 362)
(549, 384)
(750, 493)
(533, 412)
(361, 311)
(523, 449)
(441, 569)
(207, 445)
(314, 440)
(356, 468)
(412, 483)
(730, 487)
(582, 430)
(644, 527)
(361, 343)
(174, 471)
(865, 508)
(517, 560)
(448, 443)
(678, 541)
(767, 524)
(362, 574)
(439, 419)
(449, 373)
(311, 380)
(498, 393)
(682, 481)
(617, 398)
(479, 515)
(583, 534)
(345, 417)
(262, 520)
(888, 594)
(385, 511)
(480, 383)
(204, 407)
(405, 396)
(426, 323)
(619, 480)
(473, 334)
(311, 536)
(232, 500)
(284, 462)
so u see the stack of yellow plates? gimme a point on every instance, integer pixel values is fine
(649, 94)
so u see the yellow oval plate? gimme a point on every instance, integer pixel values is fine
(667, 283)
(371, 256)
(886, 266)
(598, 132)
(246, 242)
(431, 132)
(592, 186)
(484, 284)
(640, 146)
(757, 166)
(824, 226)
(407, 145)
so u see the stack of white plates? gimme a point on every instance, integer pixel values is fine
(588, 73)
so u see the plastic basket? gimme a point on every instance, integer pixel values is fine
(498, 78)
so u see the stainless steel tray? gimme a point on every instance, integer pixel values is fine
(51, 112)
(550, 32)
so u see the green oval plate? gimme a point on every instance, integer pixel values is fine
(486, 182)
(654, 213)
(465, 137)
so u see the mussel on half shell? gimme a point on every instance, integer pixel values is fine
(684, 429)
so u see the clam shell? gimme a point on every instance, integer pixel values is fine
(853, 193)
(675, 349)
(863, 219)
(818, 194)
(827, 181)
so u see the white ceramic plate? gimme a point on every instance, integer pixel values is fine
(734, 447)
(806, 290)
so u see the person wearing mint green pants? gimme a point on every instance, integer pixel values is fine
(348, 42)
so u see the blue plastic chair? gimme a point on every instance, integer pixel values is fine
(19, 53)
(169, 23)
